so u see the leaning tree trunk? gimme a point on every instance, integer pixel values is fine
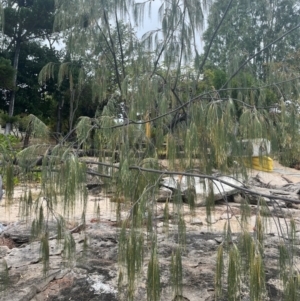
(27, 135)
(8, 125)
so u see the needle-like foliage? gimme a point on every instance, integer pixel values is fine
(159, 98)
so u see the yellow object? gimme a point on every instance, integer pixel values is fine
(261, 163)
(148, 130)
(148, 126)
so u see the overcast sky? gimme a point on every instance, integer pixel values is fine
(151, 23)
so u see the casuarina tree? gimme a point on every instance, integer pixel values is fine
(159, 96)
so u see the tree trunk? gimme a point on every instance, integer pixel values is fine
(27, 135)
(8, 126)
(73, 107)
(59, 110)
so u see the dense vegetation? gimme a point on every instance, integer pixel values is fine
(117, 97)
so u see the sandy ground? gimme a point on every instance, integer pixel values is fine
(280, 174)
(10, 212)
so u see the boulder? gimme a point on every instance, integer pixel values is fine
(200, 189)
(164, 194)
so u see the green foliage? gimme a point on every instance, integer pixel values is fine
(45, 252)
(9, 182)
(291, 289)
(149, 79)
(233, 274)
(249, 26)
(176, 272)
(4, 275)
(25, 209)
(69, 248)
(245, 269)
(20, 25)
(257, 279)
(4, 117)
(8, 142)
(6, 74)
(153, 283)
(131, 250)
(210, 200)
(219, 272)
(83, 129)
(39, 129)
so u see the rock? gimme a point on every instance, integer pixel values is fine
(164, 194)
(2, 228)
(237, 198)
(196, 221)
(194, 186)
(172, 182)
(219, 189)
(99, 287)
(7, 242)
(95, 276)
(219, 239)
(160, 225)
(19, 232)
(95, 189)
(226, 216)
(25, 294)
(211, 242)
(4, 250)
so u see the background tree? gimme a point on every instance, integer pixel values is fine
(33, 57)
(24, 21)
(6, 74)
(72, 87)
(248, 28)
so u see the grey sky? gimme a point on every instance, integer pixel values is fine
(152, 22)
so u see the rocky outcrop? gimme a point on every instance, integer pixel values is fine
(93, 273)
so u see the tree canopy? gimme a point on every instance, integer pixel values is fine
(22, 22)
(6, 74)
(248, 28)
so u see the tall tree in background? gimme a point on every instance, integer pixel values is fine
(24, 21)
(33, 56)
(249, 27)
(71, 82)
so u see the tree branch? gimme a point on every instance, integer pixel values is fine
(202, 176)
(212, 39)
